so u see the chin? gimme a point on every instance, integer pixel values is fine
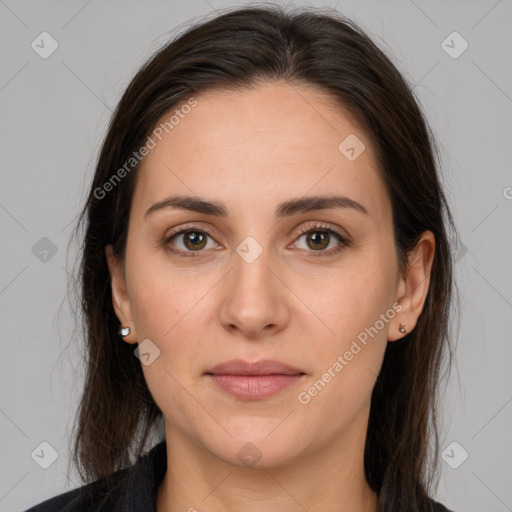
(256, 450)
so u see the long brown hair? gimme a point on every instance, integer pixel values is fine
(241, 48)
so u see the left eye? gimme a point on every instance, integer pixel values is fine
(320, 239)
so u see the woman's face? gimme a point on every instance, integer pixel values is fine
(250, 285)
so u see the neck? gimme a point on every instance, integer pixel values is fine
(329, 480)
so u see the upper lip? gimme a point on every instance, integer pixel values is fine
(264, 367)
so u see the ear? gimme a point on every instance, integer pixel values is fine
(413, 287)
(120, 299)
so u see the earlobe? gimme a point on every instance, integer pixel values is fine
(120, 299)
(414, 286)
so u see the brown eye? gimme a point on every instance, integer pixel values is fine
(188, 240)
(318, 237)
(317, 240)
(194, 240)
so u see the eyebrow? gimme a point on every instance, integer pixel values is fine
(285, 209)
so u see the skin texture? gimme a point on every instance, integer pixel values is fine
(251, 150)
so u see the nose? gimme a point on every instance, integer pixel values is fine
(255, 299)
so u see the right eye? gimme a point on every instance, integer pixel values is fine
(194, 239)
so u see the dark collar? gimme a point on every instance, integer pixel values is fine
(142, 480)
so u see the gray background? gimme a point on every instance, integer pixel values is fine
(54, 113)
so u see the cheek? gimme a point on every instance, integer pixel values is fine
(349, 354)
(347, 363)
(162, 300)
(173, 312)
(168, 317)
(347, 306)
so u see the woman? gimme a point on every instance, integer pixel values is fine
(267, 233)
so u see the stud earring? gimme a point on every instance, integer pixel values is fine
(402, 328)
(124, 331)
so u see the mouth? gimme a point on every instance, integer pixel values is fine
(254, 381)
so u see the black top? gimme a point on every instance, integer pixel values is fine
(131, 489)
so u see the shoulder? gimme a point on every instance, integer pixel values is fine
(131, 489)
(439, 507)
(99, 495)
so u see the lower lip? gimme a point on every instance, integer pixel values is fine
(254, 387)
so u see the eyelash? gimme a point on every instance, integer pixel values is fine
(312, 227)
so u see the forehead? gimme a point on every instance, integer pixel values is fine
(259, 146)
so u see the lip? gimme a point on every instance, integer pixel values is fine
(256, 380)
(263, 367)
